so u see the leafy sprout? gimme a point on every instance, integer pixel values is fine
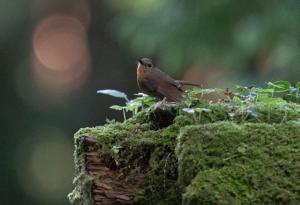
(113, 93)
(298, 86)
(141, 102)
(279, 86)
(242, 103)
(246, 101)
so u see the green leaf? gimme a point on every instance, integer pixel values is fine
(133, 105)
(253, 113)
(141, 95)
(298, 86)
(219, 90)
(116, 107)
(206, 110)
(189, 110)
(114, 93)
(231, 115)
(240, 88)
(210, 90)
(279, 86)
(200, 110)
(116, 149)
(148, 101)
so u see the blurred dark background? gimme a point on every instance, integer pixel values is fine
(55, 54)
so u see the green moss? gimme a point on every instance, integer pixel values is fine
(82, 181)
(252, 163)
(233, 154)
(140, 148)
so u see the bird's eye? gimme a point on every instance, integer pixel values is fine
(149, 65)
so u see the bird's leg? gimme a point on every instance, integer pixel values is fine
(162, 102)
(159, 104)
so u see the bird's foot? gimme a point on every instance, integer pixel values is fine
(159, 104)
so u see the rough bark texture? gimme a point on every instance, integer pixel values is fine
(109, 186)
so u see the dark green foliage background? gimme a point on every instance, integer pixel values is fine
(231, 34)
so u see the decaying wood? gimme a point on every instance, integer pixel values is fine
(110, 187)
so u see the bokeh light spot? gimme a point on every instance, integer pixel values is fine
(61, 58)
(59, 42)
(44, 165)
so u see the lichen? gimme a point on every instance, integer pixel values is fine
(213, 157)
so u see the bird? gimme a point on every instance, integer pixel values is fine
(158, 84)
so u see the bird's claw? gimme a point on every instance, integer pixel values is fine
(159, 104)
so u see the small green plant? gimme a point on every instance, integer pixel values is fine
(245, 102)
(141, 102)
(242, 103)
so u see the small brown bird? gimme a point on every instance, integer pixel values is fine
(158, 84)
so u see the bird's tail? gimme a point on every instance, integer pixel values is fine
(183, 82)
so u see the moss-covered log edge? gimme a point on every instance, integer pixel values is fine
(137, 142)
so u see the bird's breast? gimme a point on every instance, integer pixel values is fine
(140, 71)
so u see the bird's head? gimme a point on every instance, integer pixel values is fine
(145, 63)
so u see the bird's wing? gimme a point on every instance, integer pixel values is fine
(150, 84)
(166, 78)
(171, 92)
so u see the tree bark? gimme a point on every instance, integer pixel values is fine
(110, 186)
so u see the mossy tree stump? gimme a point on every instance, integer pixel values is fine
(110, 185)
(192, 159)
